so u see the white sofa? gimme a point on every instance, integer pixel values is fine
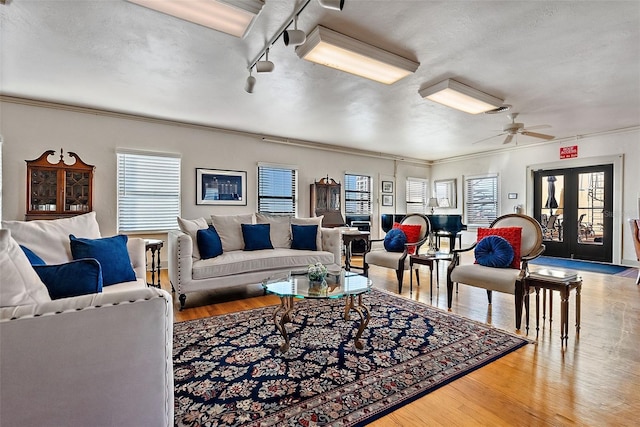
(99, 359)
(189, 273)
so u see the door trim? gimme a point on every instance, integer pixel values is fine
(618, 164)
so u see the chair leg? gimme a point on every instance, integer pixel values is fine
(417, 277)
(400, 275)
(519, 300)
(489, 296)
(365, 268)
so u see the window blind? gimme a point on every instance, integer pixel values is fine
(481, 200)
(277, 190)
(148, 192)
(357, 194)
(416, 195)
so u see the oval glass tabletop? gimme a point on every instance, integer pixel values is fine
(336, 285)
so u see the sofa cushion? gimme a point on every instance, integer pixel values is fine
(304, 237)
(209, 243)
(280, 229)
(229, 230)
(412, 231)
(394, 240)
(494, 251)
(311, 221)
(240, 262)
(71, 279)
(191, 227)
(19, 283)
(49, 239)
(33, 258)
(111, 253)
(256, 237)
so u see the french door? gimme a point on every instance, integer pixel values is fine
(574, 208)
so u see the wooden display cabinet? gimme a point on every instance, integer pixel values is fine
(58, 190)
(326, 200)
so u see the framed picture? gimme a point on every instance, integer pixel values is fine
(387, 186)
(221, 187)
(445, 192)
(387, 200)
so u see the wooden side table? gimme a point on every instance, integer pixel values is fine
(565, 289)
(351, 236)
(154, 246)
(425, 259)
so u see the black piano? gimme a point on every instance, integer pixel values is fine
(448, 226)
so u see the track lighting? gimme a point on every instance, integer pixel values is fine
(294, 37)
(265, 66)
(332, 4)
(251, 82)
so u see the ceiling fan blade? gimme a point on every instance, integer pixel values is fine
(536, 127)
(491, 137)
(508, 139)
(538, 135)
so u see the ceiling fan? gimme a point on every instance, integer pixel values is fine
(513, 128)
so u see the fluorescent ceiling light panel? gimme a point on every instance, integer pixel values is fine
(231, 17)
(335, 50)
(461, 97)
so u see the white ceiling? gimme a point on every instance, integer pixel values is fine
(573, 65)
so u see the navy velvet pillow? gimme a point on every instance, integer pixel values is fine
(33, 258)
(79, 277)
(209, 243)
(256, 236)
(304, 237)
(111, 253)
(494, 251)
(394, 240)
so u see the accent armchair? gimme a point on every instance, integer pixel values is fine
(507, 280)
(635, 234)
(398, 261)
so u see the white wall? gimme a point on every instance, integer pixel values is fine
(30, 130)
(622, 149)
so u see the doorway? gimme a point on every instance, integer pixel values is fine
(574, 207)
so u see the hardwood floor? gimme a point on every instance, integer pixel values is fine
(595, 381)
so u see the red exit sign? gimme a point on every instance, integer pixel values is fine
(568, 152)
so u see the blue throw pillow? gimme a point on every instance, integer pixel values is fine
(111, 253)
(79, 277)
(304, 237)
(394, 240)
(209, 243)
(33, 258)
(256, 236)
(494, 251)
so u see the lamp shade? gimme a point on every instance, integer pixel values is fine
(432, 202)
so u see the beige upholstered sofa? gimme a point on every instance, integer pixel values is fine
(188, 272)
(101, 359)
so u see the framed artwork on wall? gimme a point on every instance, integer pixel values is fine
(387, 200)
(387, 186)
(221, 187)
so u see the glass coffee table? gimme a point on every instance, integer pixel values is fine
(344, 284)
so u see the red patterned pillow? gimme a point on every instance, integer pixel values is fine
(412, 231)
(513, 235)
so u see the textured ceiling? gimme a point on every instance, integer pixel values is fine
(572, 65)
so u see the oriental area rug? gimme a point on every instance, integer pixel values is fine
(229, 371)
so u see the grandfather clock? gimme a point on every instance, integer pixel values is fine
(326, 200)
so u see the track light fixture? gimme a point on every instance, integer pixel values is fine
(294, 37)
(332, 4)
(251, 82)
(265, 66)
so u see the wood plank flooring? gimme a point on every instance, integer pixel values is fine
(595, 381)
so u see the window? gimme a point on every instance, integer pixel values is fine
(481, 200)
(148, 191)
(357, 194)
(416, 195)
(277, 189)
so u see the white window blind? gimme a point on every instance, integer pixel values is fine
(416, 195)
(481, 200)
(277, 189)
(148, 192)
(357, 194)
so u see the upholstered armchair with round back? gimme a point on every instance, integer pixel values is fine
(509, 279)
(399, 260)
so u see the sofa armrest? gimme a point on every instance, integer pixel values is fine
(100, 359)
(180, 258)
(332, 242)
(137, 254)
